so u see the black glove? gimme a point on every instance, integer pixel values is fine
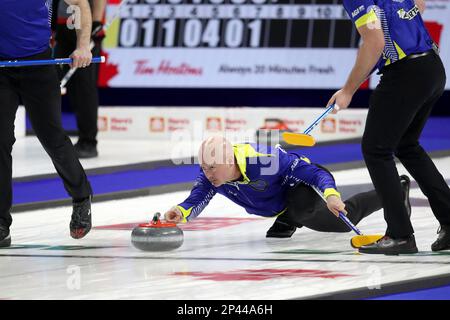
(97, 34)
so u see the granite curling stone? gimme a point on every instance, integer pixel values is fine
(157, 236)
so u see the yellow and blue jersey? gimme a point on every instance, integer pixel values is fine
(401, 22)
(266, 178)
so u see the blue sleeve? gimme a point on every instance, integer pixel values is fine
(297, 170)
(360, 11)
(202, 192)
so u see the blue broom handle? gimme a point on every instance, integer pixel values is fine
(315, 123)
(344, 218)
(27, 63)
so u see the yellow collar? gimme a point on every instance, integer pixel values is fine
(241, 153)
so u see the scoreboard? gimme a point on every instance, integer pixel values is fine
(236, 24)
(297, 44)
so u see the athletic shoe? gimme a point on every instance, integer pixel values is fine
(81, 222)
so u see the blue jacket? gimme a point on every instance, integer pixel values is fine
(24, 27)
(266, 178)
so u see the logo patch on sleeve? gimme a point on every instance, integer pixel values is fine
(358, 11)
(408, 15)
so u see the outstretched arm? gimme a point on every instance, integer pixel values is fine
(202, 192)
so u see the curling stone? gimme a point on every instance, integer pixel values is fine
(157, 235)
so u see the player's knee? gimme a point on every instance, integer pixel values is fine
(406, 150)
(55, 142)
(369, 148)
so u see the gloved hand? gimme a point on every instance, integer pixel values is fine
(97, 32)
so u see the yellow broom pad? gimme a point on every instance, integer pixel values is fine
(299, 139)
(363, 240)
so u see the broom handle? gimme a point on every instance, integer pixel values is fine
(323, 115)
(27, 63)
(347, 221)
(342, 216)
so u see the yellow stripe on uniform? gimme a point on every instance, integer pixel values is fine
(401, 53)
(279, 214)
(276, 215)
(369, 17)
(186, 213)
(331, 192)
(305, 159)
(242, 152)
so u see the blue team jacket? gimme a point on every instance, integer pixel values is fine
(266, 180)
(24, 27)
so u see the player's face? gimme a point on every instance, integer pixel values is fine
(217, 174)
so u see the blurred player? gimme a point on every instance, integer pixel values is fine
(82, 86)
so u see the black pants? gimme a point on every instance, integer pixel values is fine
(38, 89)
(399, 109)
(82, 87)
(306, 208)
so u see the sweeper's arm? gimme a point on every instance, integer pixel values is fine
(369, 27)
(300, 170)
